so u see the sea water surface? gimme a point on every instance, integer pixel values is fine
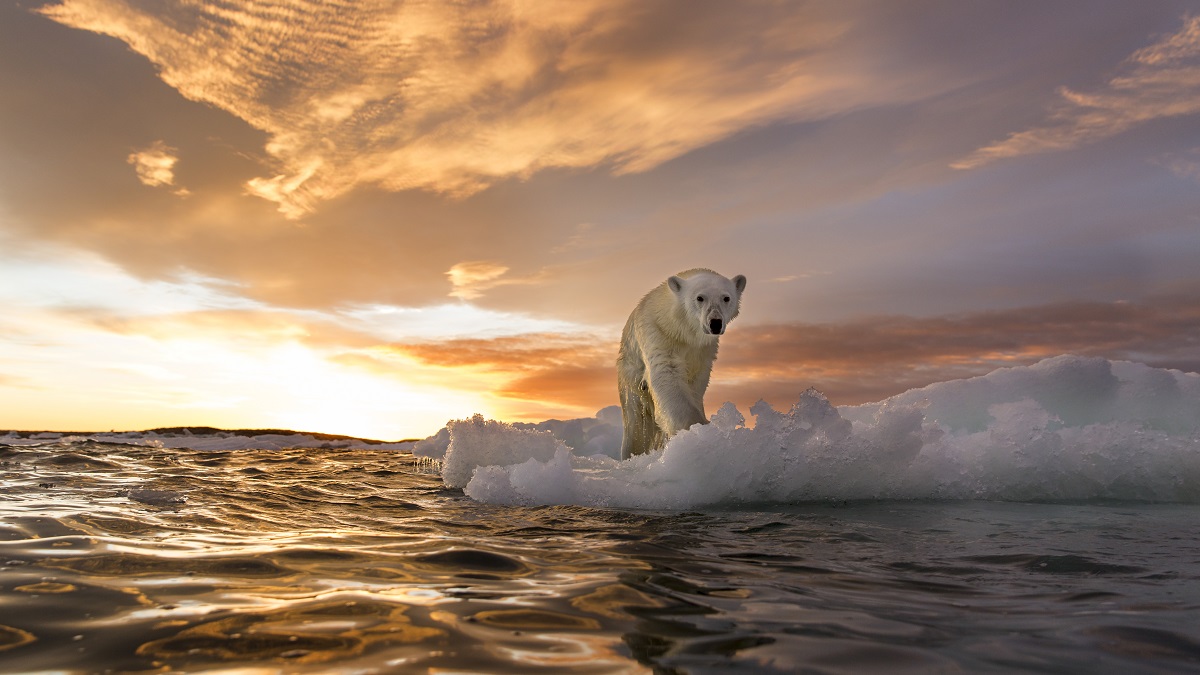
(1042, 533)
(358, 560)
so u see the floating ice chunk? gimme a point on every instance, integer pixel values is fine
(599, 435)
(478, 442)
(433, 447)
(1077, 390)
(1067, 428)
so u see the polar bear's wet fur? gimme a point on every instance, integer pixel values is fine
(667, 353)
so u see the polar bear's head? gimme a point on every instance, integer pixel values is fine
(709, 300)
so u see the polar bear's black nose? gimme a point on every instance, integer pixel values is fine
(714, 326)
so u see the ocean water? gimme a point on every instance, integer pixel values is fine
(1040, 519)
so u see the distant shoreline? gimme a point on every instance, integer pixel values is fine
(208, 431)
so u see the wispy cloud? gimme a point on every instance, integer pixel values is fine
(470, 279)
(543, 373)
(1158, 81)
(452, 97)
(1184, 164)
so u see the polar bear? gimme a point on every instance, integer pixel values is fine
(667, 353)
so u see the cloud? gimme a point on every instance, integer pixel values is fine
(547, 373)
(853, 362)
(155, 166)
(242, 326)
(869, 359)
(1158, 81)
(212, 337)
(582, 238)
(512, 353)
(470, 279)
(15, 382)
(1184, 165)
(452, 97)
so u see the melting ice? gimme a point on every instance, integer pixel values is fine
(1067, 428)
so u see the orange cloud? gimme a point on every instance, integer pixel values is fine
(452, 97)
(1162, 80)
(869, 359)
(513, 353)
(155, 165)
(470, 279)
(230, 362)
(853, 362)
(541, 375)
(235, 325)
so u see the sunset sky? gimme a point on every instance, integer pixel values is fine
(372, 217)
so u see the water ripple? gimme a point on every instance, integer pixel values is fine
(128, 558)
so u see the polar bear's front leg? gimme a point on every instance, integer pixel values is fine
(675, 404)
(641, 433)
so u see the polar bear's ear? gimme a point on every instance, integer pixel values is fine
(739, 282)
(676, 284)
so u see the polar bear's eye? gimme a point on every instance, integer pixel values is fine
(699, 298)
(726, 298)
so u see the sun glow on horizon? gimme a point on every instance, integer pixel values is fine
(133, 355)
(135, 382)
(303, 390)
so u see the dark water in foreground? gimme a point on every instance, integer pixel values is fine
(357, 561)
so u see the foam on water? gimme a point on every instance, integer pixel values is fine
(1067, 428)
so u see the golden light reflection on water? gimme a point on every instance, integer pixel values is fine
(543, 638)
(309, 633)
(352, 561)
(572, 650)
(614, 601)
(11, 638)
(533, 619)
(327, 562)
(414, 596)
(45, 587)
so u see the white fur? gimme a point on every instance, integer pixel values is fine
(667, 353)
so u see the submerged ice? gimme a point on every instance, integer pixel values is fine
(1067, 428)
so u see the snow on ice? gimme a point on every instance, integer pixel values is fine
(1067, 428)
